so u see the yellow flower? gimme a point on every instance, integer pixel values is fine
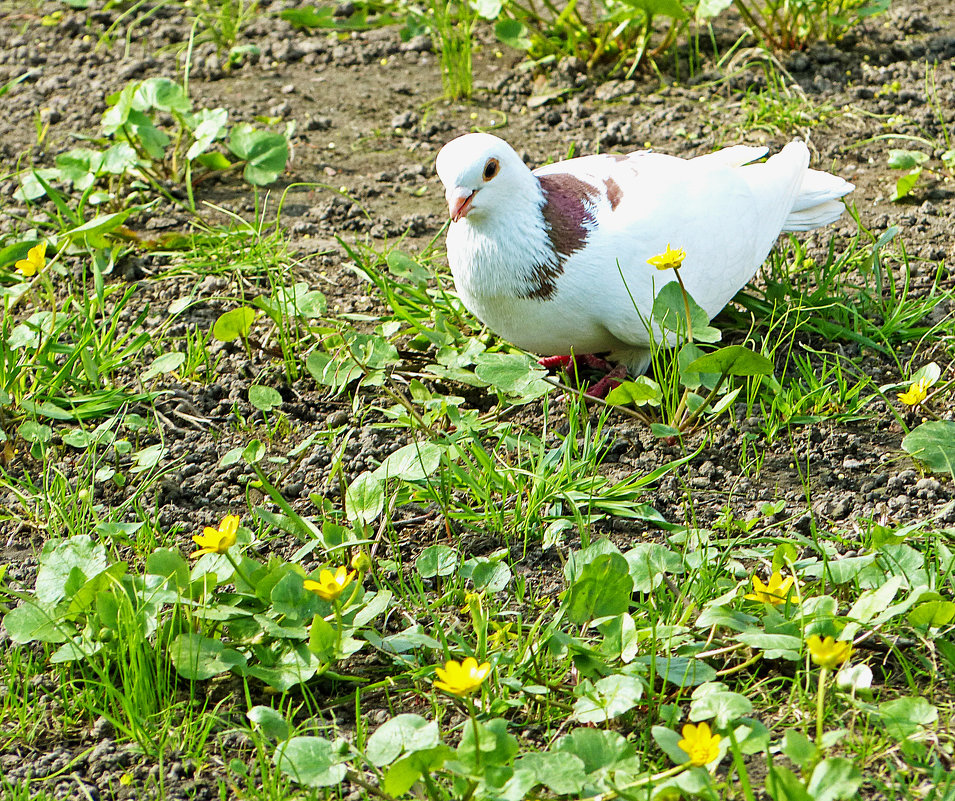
(775, 592)
(828, 653)
(217, 540)
(461, 678)
(916, 394)
(34, 262)
(330, 586)
(700, 745)
(668, 260)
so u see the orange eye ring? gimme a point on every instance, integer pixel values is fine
(491, 169)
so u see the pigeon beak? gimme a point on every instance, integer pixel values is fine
(459, 202)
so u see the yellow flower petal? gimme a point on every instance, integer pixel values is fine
(670, 259)
(330, 586)
(217, 540)
(828, 653)
(461, 678)
(34, 262)
(916, 393)
(700, 745)
(776, 592)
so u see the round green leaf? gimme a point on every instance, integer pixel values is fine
(509, 372)
(639, 392)
(488, 9)
(78, 438)
(313, 761)
(833, 779)
(934, 444)
(732, 360)
(513, 33)
(167, 363)
(561, 773)
(722, 706)
(707, 9)
(906, 159)
(66, 563)
(610, 697)
(436, 560)
(933, 613)
(364, 498)
(413, 462)
(907, 716)
(265, 153)
(163, 94)
(32, 431)
(270, 722)
(603, 589)
(233, 324)
(264, 399)
(199, 658)
(402, 734)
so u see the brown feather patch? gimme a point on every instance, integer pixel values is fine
(544, 281)
(567, 211)
(614, 192)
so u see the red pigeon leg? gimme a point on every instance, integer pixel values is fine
(594, 363)
(550, 362)
(573, 366)
(612, 379)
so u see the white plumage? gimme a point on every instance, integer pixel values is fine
(555, 260)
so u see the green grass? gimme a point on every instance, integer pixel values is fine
(651, 632)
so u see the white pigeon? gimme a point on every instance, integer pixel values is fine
(555, 259)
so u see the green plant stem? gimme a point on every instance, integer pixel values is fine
(469, 703)
(432, 790)
(306, 526)
(337, 606)
(48, 286)
(656, 777)
(354, 778)
(820, 704)
(238, 569)
(359, 575)
(740, 767)
(682, 407)
(624, 409)
(686, 304)
(751, 20)
(740, 667)
(470, 793)
(706, 402)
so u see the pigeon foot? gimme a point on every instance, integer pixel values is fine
(610, 381)
(612, 375)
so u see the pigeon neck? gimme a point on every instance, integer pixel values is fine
(504, 253)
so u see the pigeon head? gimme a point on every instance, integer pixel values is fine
(481, 172)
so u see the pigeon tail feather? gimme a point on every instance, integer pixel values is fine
(817, 203)
(815, 216)
(734, 156)
(775, 184)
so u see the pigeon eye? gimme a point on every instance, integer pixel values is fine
(490, 169)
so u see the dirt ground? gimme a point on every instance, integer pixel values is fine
(369, 121)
